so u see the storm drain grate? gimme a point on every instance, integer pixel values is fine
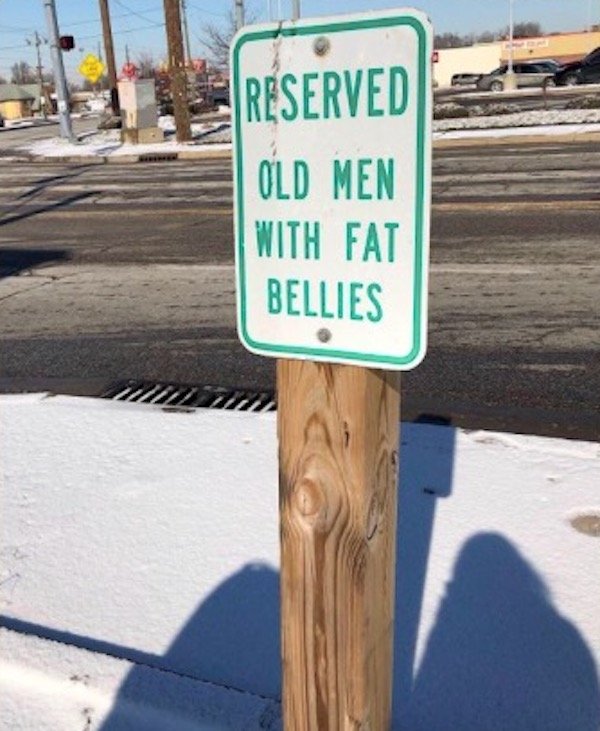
(192, 397)
(158, 156)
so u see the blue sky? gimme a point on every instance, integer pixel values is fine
(138, 22)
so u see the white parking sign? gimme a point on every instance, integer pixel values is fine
(332, 140)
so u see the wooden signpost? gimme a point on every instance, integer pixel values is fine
(332, 134)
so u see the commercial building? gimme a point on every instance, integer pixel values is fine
(481, 58)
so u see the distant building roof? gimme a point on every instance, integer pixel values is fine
(33, 89)
(36, 92)
(12, 92)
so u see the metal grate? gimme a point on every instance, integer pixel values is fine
(174, 395)
(158, 156)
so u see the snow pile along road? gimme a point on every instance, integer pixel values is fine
(535, 118)
(107, 143)
(216, 136)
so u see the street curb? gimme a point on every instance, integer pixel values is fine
(516, 139)
(122, 159)
(440, 143)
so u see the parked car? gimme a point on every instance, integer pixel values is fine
(526, 75)
(465, 79)
(220, 95)
(549, 64)
(586, 71)
(96, 104)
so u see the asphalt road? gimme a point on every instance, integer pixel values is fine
(13, 138)
(113, 272)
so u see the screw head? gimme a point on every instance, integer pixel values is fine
(321, 46)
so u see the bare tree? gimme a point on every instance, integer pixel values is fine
(527, 30)
(217, 39)
(2, 80)
(146, 65)
(452, 40)
(486, 37)
(22, 73)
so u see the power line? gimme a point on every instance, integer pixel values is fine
(12, 27)
(85, 22)
(97, 35)
(122, 32)
(12, 48)
(91, 36)
(134, 12)
(114, 17)
(198, 9)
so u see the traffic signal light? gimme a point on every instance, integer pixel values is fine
(67, 43)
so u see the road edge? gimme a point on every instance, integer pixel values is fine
(201, 154)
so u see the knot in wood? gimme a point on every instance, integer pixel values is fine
(309, 498)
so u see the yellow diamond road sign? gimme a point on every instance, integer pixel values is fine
(91, 67)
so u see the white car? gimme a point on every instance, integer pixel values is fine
(526, 75)
(96, 104)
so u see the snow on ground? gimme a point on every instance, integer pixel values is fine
(51, 686)
(499, 132)
(139, 581)
(535, 118)
(216, 136)
(39, 121)
(107, 143)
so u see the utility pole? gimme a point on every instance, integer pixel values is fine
(511, 31)
(186, 33)
(509, 81)
(109, 52)
(37, 42)
(60, 80)
(177, 70)
(295, 9)
(239, 14)
(126, 54)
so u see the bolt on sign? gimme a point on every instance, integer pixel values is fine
(332, 140)
(91, 68)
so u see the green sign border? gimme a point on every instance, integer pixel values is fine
(422, 125)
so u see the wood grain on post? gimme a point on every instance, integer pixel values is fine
(338, 430)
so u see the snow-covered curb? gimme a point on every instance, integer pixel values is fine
(48, 685)
(539, 118)
(564, 131)
(214, 136)
(146, 541)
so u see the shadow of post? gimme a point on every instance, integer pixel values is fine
(232, 641)
(426, 469)
(233, 638)
(499, 656)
